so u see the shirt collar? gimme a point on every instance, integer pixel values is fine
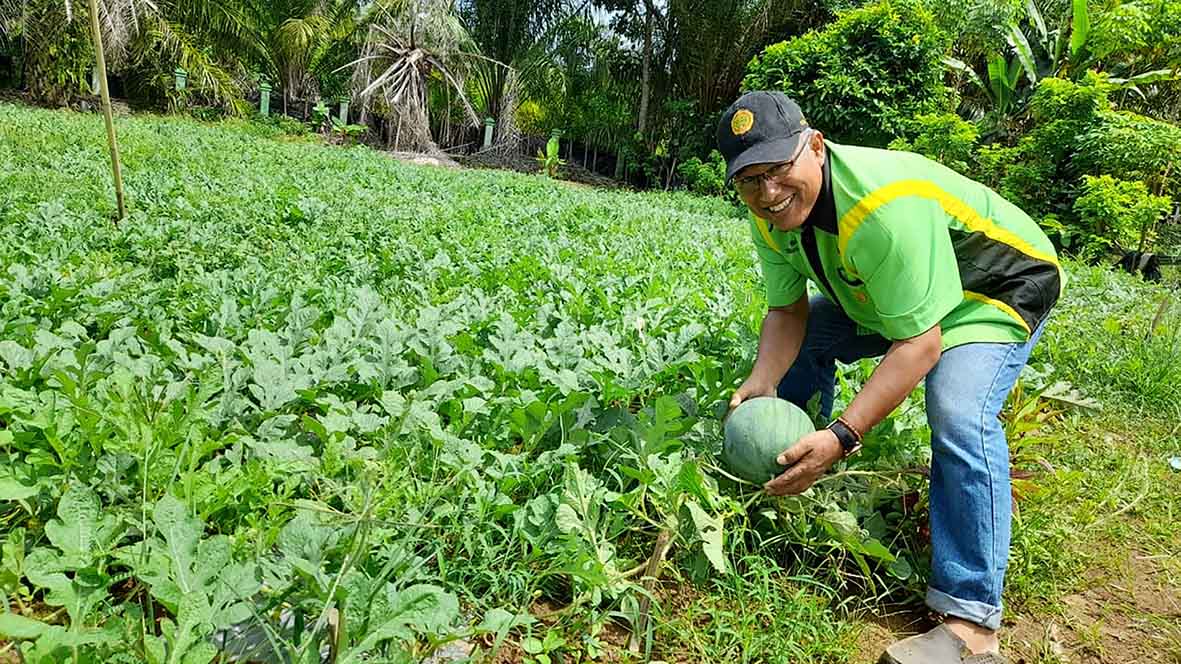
(824, 212)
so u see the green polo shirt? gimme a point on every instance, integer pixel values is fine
(904, 243)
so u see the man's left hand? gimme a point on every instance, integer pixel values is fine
(808, 459)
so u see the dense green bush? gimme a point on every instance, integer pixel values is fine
(707, 178)
(864, 77)
(1134, 147)
(944, 137)
(1037, 173)
(1114, 212)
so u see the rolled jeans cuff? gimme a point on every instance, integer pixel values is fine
(985, 615)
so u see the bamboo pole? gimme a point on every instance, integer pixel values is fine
(112, 141)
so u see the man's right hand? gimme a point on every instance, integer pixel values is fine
(749, 390)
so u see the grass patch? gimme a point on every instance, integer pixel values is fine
(759, 616)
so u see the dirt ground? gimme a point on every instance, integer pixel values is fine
(1125, 615)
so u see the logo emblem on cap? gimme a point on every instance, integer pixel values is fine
(742, 122)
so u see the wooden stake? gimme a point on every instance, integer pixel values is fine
(664, 542)
(108, 114)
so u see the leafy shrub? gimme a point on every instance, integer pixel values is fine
(1037, 173)
(944, 137)
(533, 118)
(207, 113)
(863, 77)
(976, 27)
(1113, 212)
(707, 178)
(550, 159)
(1132, 146)
(1058, 99)
(286, 125)
(1122, 28)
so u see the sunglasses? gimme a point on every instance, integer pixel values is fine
(751, 184)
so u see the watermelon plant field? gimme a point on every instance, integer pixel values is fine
(307, 404)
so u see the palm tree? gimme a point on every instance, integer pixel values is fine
(409, 45)
(144, 39)
(519, 34)
(213, 40)
(307, 42)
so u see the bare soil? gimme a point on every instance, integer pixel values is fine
(1124, 615)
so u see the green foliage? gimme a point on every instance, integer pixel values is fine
(1117, 39)
(766, 617)
(863, 77)
(977, 28)
(1074, 135)
(1038, 173)
(281, 124)
(59, 53)
(347, 133)
(550, 158)
(1132, 146)
(944, 137)
(1113, 211)
(707, 178)
(288, 409)
(1121, 28)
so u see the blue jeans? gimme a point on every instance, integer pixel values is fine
(971, 503)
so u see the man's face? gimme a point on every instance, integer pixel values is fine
(784, 192)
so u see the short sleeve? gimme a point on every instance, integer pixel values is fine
(785, 285)
(903, 253)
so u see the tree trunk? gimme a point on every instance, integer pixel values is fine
(646, 76)
(108, 114)
(595, 160)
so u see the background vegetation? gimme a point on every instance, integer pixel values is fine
(1042, 93)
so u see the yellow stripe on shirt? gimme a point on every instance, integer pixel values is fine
(951, 205)
(971, 295)
(761, 225)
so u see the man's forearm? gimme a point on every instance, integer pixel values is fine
(780, 341)
(905, 364)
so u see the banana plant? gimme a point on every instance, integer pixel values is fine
(1039, 52)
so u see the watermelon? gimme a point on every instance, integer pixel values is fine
(759, 430)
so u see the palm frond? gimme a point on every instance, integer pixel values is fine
(407, 44)
(174, 42)
(12, 16)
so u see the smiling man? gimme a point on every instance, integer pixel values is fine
(938, 274)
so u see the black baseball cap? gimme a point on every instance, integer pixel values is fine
(760, 128)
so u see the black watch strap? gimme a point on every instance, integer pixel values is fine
(850, 441)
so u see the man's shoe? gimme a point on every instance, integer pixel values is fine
(938, 646)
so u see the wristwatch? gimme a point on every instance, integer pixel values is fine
(849, 437)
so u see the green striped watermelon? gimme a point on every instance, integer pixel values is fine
(757, 432)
